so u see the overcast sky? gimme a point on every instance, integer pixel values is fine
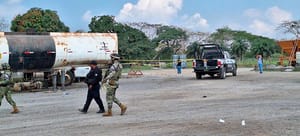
(259, 17)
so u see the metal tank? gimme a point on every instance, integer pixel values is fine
(35, 52)
(4, 51)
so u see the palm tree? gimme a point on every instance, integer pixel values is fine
(239, 48)
(263, 48)
(190, 52)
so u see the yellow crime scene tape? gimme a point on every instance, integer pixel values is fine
(154, 60)
(135, 65)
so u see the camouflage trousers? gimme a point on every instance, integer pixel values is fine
(111, 95)
(5, 91)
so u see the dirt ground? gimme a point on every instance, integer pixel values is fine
(161, 103)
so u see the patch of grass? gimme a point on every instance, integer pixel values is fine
(136, 68)
(251, 62)
(297, 69)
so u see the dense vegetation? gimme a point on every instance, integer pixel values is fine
(38, 20)
(241, 44)
(134, 44)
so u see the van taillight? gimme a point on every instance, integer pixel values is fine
(219, 63)
(194, 63)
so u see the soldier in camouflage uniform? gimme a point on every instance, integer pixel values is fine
(110, 81)
(5, 89)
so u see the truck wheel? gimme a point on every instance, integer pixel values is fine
(222, 73)
(69, 78)
(198, 75)
(234, 71)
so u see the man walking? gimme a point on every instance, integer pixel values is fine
(6, 92)
(110, 81)
(92, 80)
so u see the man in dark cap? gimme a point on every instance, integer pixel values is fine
(92, 80)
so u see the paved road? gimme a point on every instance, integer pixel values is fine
(162, 103)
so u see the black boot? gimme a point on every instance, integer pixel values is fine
(101, 111)
(82, 111)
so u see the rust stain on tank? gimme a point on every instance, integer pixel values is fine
(111, 35)
(61, 43)
(65, 62)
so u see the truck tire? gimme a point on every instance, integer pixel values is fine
(198, 75)
(222, 73)
(69, 78)
(234, 72)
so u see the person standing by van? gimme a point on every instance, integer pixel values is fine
(178, 66)
(260, 63)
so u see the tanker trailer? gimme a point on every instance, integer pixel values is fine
(51, 52)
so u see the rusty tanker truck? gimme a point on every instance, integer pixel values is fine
(52, 52)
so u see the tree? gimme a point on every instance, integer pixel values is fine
(263, 47)
(223, 36)
(3, 25)
(234, 40)
(292, 27)
(38, 20)
(80, 31)
(133, 44)
(239, 48)
(169, 41)
(190, 52)
(104, 24)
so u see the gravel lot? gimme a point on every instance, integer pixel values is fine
(161, 103)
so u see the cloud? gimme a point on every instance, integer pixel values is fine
(13, 1)
(151, 11)
(161, 12)
(10, 8)
(252, 13)
(265, 22)
(195, 22)
(87, 16)
(261, 27)
(277, 15)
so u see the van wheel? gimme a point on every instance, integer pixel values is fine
(222, 73)
(234, 71)
(198, 75)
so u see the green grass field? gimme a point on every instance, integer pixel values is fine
(168, 64)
